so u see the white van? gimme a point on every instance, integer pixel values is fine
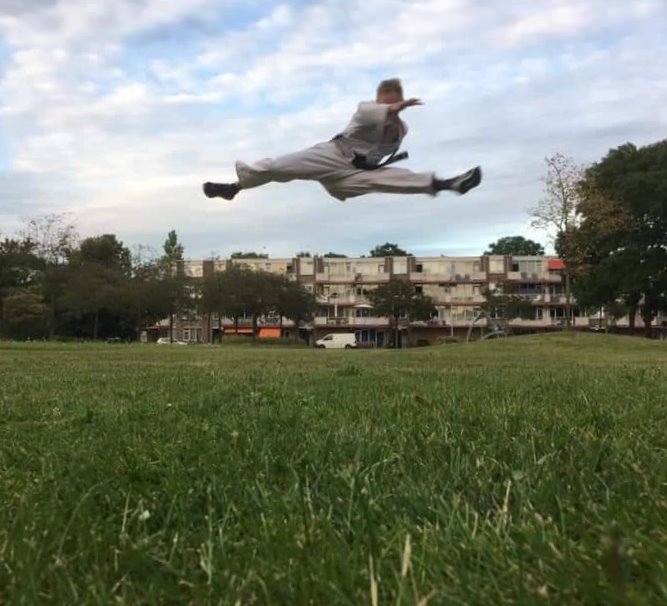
(337, 341)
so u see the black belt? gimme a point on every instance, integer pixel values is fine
(362, 163)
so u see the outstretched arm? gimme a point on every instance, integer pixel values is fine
(396, 108)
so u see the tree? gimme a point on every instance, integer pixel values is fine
(303, 254)
(557, 214)
(219, 295)
(54, 237)
(397, 298)
(173, 249)
(333, 255)
(294, 302)
(107, 251)
(260, 295)
(388, 250)
(98, 277)
(623, 231)
(174, 282)
(18, 269)
(144, 295)
(24, 315)
(515, 245)
(504, 303)
(249, 255)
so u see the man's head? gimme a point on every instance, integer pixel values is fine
(389, 91)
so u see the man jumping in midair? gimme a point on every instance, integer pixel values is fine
(351, 163)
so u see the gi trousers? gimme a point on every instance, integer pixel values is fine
(328, 164)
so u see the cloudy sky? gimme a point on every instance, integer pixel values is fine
(117, 110)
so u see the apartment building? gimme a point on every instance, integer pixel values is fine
(456, 285)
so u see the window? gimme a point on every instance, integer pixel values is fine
(515, 266)
(419, 268)
(419, 289)
(192, 335)
(496, 265)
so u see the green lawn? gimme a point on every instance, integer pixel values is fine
(523, 471)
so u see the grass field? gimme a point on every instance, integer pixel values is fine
(523, 471)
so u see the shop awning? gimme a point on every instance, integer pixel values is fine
(555, 264)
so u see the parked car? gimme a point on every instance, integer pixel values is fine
(337, 341)
(167, 341)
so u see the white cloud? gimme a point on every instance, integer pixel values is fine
(134, 135)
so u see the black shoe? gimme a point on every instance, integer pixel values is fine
(221, 190)
(465, 182)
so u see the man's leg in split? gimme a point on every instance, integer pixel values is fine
(317, 163)
(398, 181)
(461, 184)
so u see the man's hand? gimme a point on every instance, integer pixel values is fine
(401, 105)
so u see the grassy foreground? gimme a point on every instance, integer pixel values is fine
(524, 471)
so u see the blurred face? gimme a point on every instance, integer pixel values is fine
(389, 97)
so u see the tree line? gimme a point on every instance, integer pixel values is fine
(53, 284)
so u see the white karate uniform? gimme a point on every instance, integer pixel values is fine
(330, 162)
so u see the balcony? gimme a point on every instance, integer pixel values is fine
(555, 299)
(351, 321)
(351, 278)
(341, 300)
(461, 278)
(544, 323)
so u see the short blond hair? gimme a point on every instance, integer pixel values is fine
(393, 85)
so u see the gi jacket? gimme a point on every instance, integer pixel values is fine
(364, 134)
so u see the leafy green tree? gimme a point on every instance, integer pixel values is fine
(98, 278)
(144, 295)
(293, 301)
(19, 267)
(173, 280)
(388, 250)
(396, 299)
(219, 295)
(515, 245)
(622, 235)
(260, 296)
(333, 255)
(24, 314)
(303, 255)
